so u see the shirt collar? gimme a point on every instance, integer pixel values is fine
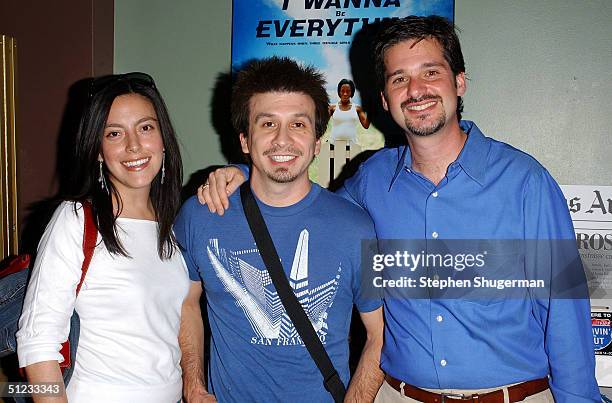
(403, 160)
(472, 158)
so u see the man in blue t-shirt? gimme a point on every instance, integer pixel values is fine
(280, 110)
(450, 182)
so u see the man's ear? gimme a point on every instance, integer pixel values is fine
(244, 144)
(384, 101)
(317, 146)
(461, 84)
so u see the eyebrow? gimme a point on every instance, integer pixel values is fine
(262, 115)
(303, 115)
(139, 121)
(433, 64)
(395, 73)
(424, 65)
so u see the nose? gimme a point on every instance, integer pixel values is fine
(415, 88)
(133, 142)
(282, 137)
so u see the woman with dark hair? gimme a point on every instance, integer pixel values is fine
(345, 114)
(128, 166)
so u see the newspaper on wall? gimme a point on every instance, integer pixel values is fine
(591, 210)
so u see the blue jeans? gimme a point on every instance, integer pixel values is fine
(12, 293)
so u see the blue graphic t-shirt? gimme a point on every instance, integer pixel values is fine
(256, 353)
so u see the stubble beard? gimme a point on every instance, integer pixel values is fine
(413, 126)
(281, 175)
(428, 130)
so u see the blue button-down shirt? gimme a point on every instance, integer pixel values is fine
(492, 191)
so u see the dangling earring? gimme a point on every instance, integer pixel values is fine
(101, 179)
(163, 166)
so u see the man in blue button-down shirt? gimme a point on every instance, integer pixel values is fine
(452, 182)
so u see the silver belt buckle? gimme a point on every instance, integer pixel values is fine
(452, 396)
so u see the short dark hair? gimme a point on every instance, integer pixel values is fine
(350, 84)
(418, 28)
(164, 197)
(278, 74)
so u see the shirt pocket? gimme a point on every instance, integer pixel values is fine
(501, 276)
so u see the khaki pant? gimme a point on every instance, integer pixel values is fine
(386, 394)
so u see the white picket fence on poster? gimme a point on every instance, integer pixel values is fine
(331, 161)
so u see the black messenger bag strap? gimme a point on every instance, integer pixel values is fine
(331, 379)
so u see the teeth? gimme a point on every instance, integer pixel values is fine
(282, 158)
(136, 163)
(420, 107)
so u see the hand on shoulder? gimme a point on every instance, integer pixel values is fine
(221, 183)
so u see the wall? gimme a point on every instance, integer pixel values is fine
(58, 43)
(184, 45)
(539, 72)
(540, 79)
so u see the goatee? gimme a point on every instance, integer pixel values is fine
(424, 130)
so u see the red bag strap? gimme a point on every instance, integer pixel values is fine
(14, 264)
(90, 236)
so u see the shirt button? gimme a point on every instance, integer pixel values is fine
(434, 234)
(443, 363)
(435, 194)
(439, 318)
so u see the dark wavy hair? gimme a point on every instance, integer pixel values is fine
(164, 197)
(417, 28)
(278, 74)
(350, 84)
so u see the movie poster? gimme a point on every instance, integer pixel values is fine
(591, 211)
(321, 33)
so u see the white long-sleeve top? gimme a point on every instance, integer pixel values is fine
(129, 309)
